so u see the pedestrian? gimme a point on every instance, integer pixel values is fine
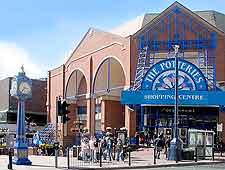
(92, 147)
(137, 138)
(142, 138)
(109, 142)
(103, 147)
(159, 145)
(167, 144)
(85, 149)
(119, 150)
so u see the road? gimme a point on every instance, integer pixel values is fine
(198, 167)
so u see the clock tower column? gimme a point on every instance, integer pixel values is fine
(21, 89)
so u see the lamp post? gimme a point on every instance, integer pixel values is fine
(176, 47)
(176, 144)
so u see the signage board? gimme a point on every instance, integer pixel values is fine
(167, 97)
(158, 84)
(161, 76)
(220, 127)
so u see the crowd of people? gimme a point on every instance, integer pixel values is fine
(113, 148)
(110, 146)
(150, 139)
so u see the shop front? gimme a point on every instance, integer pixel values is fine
(199, 105)
(161, 119)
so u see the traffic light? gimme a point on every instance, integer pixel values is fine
(65, 112)
(58, 106)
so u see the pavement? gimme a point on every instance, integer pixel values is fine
(143, 158)
(193, 167)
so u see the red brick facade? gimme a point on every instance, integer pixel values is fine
(87, 58)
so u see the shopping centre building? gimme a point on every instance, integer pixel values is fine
(125, 77)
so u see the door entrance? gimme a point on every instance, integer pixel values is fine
(189, 117)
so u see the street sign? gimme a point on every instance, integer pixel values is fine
(220, 127)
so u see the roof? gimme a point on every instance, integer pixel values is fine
(84, 46)
(132, 26)
(215, 18)
(128, 28)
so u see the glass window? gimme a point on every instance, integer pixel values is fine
(3, 117)
(81, 110)
(98, 108)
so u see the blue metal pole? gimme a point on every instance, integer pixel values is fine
(21, 155)
(142, 118)
(175, 147)
(176, 96)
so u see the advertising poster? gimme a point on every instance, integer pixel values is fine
(209, 139)
(199, 139)
(192, 139)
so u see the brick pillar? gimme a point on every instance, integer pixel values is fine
(130, 121)
(91, 115)
(72, 116)
(222, 120)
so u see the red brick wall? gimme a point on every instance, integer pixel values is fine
(55, 88)
(113, 115)
(97, 46)
(39, 97)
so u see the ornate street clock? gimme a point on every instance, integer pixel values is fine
(21, 88)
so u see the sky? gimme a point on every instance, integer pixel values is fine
(40, 33)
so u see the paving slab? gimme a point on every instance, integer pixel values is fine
(143, 158)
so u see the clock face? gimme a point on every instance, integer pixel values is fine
(24, 88)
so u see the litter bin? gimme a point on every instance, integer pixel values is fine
(188, 154)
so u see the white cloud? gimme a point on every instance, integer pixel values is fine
(11, 59)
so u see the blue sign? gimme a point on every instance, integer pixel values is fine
(167, 97)
(161, 76)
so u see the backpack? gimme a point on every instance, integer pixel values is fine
(96, 144)
(103, 144)
(109, 143)
(159, 143)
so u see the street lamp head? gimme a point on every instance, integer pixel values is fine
(176, 47)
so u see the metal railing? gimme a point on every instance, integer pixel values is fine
(99, 157)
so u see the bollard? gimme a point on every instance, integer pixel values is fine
(221, 150)
(176, 154)
(56, 147)
(68, 157)
(10, 159)
(154, 155)
(196, 154)
(129, 157)
(213, 153)
(56, 158)
(100, 161)
(114, 152)
(166, 150)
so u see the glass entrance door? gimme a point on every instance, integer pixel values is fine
(205, 118)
